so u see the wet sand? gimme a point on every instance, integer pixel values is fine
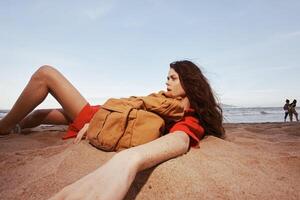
(255, 161)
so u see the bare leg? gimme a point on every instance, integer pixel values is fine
(113, 179)
(45, 80)
(45, 116)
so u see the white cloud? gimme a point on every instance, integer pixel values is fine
(281, 68)
(104, 8)
(287, 35)
(292, 34)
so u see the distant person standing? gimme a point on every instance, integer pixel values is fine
(293, 110)
(286, 109)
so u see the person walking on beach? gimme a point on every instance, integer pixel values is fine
(293, 111)
(188, 92)
(286, 109)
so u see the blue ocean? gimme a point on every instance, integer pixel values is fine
(241, 114)
(253, 114)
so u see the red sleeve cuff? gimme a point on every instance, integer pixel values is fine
(181, 127)
(192, 128)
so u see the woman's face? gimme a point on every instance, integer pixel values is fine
(174, 86)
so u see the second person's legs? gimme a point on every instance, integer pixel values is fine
(291, 116)
(285, 116)
(296, 115)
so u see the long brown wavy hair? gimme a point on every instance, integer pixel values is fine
(201, 97)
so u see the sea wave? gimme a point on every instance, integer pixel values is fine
(253, 114)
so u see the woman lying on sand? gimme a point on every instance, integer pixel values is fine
(185, 82)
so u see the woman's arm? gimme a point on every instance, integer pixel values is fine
(113, 179)
(161, 149)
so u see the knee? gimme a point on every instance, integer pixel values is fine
(39, 114)
(43, 73)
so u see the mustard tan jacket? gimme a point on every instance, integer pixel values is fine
(127, 122)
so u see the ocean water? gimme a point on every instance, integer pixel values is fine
(253, 114)
(242, 114)
(2, 113)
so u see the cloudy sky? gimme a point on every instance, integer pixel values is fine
(249, 50)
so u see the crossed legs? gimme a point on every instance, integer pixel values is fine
(44, 81)
(45, 116)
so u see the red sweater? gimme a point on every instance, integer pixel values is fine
(191, 126)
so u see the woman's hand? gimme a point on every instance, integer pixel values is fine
(110, 181)
(113, 179)
(81, 133)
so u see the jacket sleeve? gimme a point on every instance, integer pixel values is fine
(167, 108)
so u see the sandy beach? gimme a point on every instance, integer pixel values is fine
(255, 161)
